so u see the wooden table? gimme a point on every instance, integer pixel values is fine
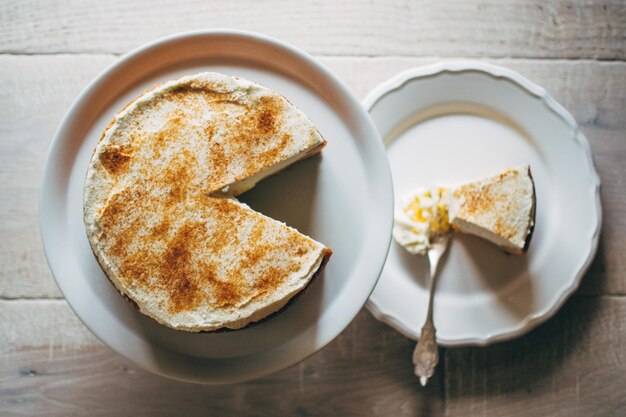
(574, 365)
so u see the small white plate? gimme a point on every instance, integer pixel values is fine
(343, 198)
(463, 120)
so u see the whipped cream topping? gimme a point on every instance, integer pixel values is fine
(420, 216)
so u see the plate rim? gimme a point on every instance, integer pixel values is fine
(397, 82)
(51, 172)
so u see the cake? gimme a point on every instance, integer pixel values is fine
(160, 208)
(499, 208)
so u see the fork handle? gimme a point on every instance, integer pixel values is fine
(426, 353)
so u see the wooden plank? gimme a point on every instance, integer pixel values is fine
(495, 28)
(573, 365)
(570, 366)
(35, 100)
(47, 324)
(36, 93)
(366, 371)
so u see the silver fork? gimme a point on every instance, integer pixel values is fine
(426, 353)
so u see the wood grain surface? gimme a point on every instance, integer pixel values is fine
(497, 28)
(573, 365)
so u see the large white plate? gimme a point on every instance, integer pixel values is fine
(342, 198)
(461, 120)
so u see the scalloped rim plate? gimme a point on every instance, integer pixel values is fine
(472, 119)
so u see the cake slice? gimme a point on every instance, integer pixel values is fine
(160, 208)
(500, 209)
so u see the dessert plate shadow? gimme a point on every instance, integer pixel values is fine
(323, 197)
(458, 121)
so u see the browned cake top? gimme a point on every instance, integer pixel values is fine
(189, 257)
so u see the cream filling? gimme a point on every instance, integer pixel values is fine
(473, 229)
(420, 216)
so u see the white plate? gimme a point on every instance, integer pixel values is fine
(323, 197)
(462, 120)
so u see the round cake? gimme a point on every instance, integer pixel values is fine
(160, 208)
